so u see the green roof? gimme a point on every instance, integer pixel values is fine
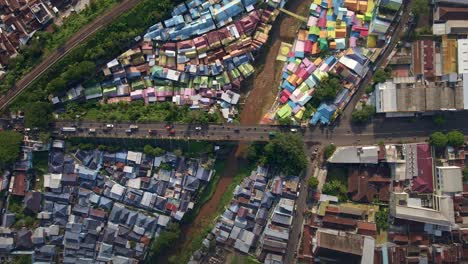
(138, 85)
(284, 112)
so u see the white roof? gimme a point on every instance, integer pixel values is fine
(353, 65)
(354, 154)
(147, 198)
(443, 216)
(134, 156)
(134, 183)
(462, 56)
(52, 180)
(385, 97)
(173, 75)
(163, 220)
(128, 169)
(368, 250)
(112, 63)
(450, 179)
(465, 91)
(117, 189)
(438, 29)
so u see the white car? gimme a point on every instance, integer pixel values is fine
(110, 126)
(198, 128)
(293, 130)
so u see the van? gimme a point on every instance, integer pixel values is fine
(92, 131)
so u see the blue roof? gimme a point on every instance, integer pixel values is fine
(324, 114)
(288, 86)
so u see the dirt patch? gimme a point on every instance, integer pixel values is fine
(208, 209)
(264, 87)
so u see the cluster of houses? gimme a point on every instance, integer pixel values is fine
(426, 201)
(198, 57)
(18, 21)
(258, 219)
(347, 30)
(101, 207)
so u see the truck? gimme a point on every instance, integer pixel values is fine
(68, 129)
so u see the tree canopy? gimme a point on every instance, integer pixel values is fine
(10, 143)
(420, 7)
(329, 150)
(157, 151)
(363, 115)
(455, 138)
(286, 153)
(38, 114)
(313, 182)
(166, 239)
(380, 76)
(438, 139)
(327, 89)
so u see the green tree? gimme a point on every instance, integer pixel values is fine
(370, 89)
(380, 76)
(166, 239)
(420, 7)
(286, 153)
(38, 114)
(335, 188)
(438, 139)
(465, 174)
(327, 89)
(381, 219)
(439, 120)
(363, 115)
(10, 143)
(329, 150)
(455, 138)
(313, 182)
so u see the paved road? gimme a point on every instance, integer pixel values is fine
(342, 133)
(78, 38)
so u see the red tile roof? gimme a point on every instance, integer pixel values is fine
(19, 184)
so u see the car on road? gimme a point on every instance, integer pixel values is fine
(272, 134)
(128, 131)
(152, 131)
(110, 126)
(293, 130)
(172, 131)
(92, 131)
(198, 128)
(169, 126)
(133, 127)
(236, 130)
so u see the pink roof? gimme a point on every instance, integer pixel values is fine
(150, 91)
(306, 62)
(322, 21)
(312, 21)
(352, 42)
(311, 68)
(300, 46)
(283, 99)
(291, 67)
(189, 92)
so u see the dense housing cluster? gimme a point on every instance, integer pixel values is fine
(258, 220)
(98, 206)
(199, 58)
(354, 33)
(18, 22)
